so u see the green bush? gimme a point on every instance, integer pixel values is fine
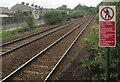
(54, 16)
(93, 37)
(30, 21)
(77, 14)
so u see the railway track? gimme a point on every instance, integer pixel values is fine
(16, 58)
(49, 47)
(21, 42)
(65, 53)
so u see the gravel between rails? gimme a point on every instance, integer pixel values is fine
(20, 56)
(26, 41)
(41, 67)
(78, 51)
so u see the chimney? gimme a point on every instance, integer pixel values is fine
(36, 6)
(27, 4)
(32, 5)
(42, 8)
(23, 3)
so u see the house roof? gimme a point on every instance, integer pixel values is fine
(22, 7)
(5, 10)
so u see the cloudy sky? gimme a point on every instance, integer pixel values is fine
(51, 3)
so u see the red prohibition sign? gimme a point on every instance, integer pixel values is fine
(103, 10)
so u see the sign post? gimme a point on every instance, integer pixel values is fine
(107, 74)
(107, 32)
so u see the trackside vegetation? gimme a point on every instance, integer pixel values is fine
(96, 63)
(51, 17)
(61, 14)
(30, 21)
(28, 17)
(54, 16)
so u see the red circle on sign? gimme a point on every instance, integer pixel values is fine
(103, 10)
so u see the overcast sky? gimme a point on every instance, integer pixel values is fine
(51, 3)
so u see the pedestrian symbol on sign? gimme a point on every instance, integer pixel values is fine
(107, 13)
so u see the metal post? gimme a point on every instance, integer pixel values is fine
(107, 75)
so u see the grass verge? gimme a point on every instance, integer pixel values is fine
(9, 33)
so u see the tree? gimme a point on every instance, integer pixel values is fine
(63, 7)
(78, 7)
(86, 9)
(18, 16)
(77, 14)
(54, 16)
(30, 21)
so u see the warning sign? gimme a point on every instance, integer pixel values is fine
(107, 23)
(107, 13)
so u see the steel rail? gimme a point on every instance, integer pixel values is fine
(57, 64)
(15, 48)
(31, 35)
(41, 52)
